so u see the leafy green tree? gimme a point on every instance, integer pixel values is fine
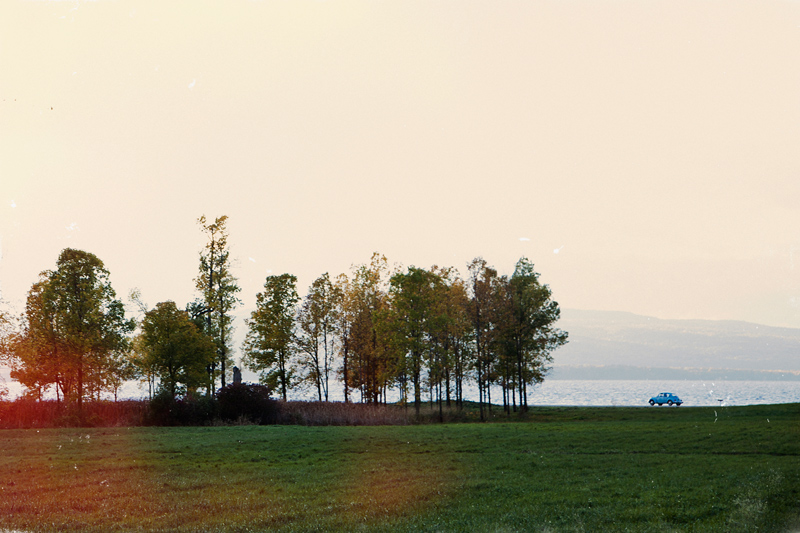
(317, 322)
(74, 326)
(529, 331)
(413, 300)
(33, 353)
(174, 349)
(218, 288)
(270, 344)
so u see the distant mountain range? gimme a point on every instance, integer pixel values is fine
(619, 345)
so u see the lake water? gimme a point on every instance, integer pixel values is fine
(634, 392)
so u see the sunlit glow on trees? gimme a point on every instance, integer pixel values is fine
(74, 331)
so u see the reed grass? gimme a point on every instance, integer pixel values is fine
(26, 413)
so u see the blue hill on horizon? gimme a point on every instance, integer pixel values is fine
(614, 343)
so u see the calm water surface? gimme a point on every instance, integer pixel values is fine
(693, 393)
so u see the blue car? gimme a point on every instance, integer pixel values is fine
(665, 398)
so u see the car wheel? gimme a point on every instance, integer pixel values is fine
(670, 403)
(652, 403)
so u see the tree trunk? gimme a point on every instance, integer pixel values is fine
(222, 370)
(441, 413)
(480, 392)
(282, 371)
(520, 371)
(488, 389)
(345, 376)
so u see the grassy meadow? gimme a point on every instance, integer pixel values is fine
(560, 469)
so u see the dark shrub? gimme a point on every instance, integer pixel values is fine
(247, 401)
(196, 410)
(162, 410)
(187, 411)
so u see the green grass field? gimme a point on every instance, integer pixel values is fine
(562, 469)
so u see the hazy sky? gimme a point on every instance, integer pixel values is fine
(645, 155)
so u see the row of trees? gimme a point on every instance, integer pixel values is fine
(74, 339)
(416, 331)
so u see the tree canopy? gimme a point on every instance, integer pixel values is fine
(270, 345)
(175, 350)
(73, 329)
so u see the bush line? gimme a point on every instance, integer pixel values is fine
(234, 405)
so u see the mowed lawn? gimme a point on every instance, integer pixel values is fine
(563, 469)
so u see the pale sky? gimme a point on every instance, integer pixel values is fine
(645, 155)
